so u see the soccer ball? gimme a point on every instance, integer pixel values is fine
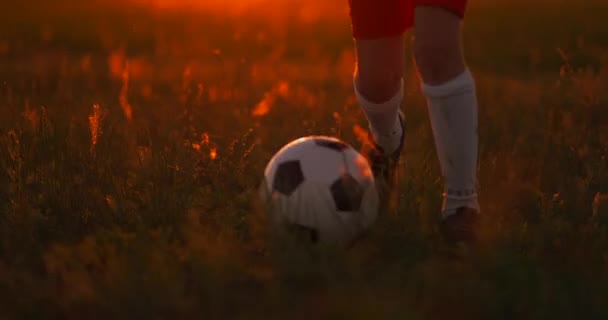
(321, 187)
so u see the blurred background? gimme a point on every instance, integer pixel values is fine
(134, 135)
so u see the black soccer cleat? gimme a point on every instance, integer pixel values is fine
(461, 227)
(384, 165)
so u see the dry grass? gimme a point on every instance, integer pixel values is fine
(132, 143)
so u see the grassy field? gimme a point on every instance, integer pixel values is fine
(132, 143)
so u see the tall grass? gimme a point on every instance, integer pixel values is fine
(132, 143)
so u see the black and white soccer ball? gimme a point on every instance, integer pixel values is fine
(322, 187)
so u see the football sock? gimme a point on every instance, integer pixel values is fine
(453, 113)
(383, 119)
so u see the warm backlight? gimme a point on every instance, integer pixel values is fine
(304, 10)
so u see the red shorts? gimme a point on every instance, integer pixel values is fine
(371, 19)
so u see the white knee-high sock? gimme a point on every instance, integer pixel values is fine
(383, 119)
(453, 113)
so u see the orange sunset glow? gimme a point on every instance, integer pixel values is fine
(305, 11)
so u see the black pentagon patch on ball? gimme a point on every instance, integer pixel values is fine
(347, 193)
(331, 144)
(288, 177)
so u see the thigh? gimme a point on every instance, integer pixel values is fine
(373, 19)
(437, 44)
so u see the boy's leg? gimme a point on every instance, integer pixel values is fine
(378, 29)
(452, 103)
(379, 88)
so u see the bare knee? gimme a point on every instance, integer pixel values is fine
(437, 63)
(437, 45)
(379, 68)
